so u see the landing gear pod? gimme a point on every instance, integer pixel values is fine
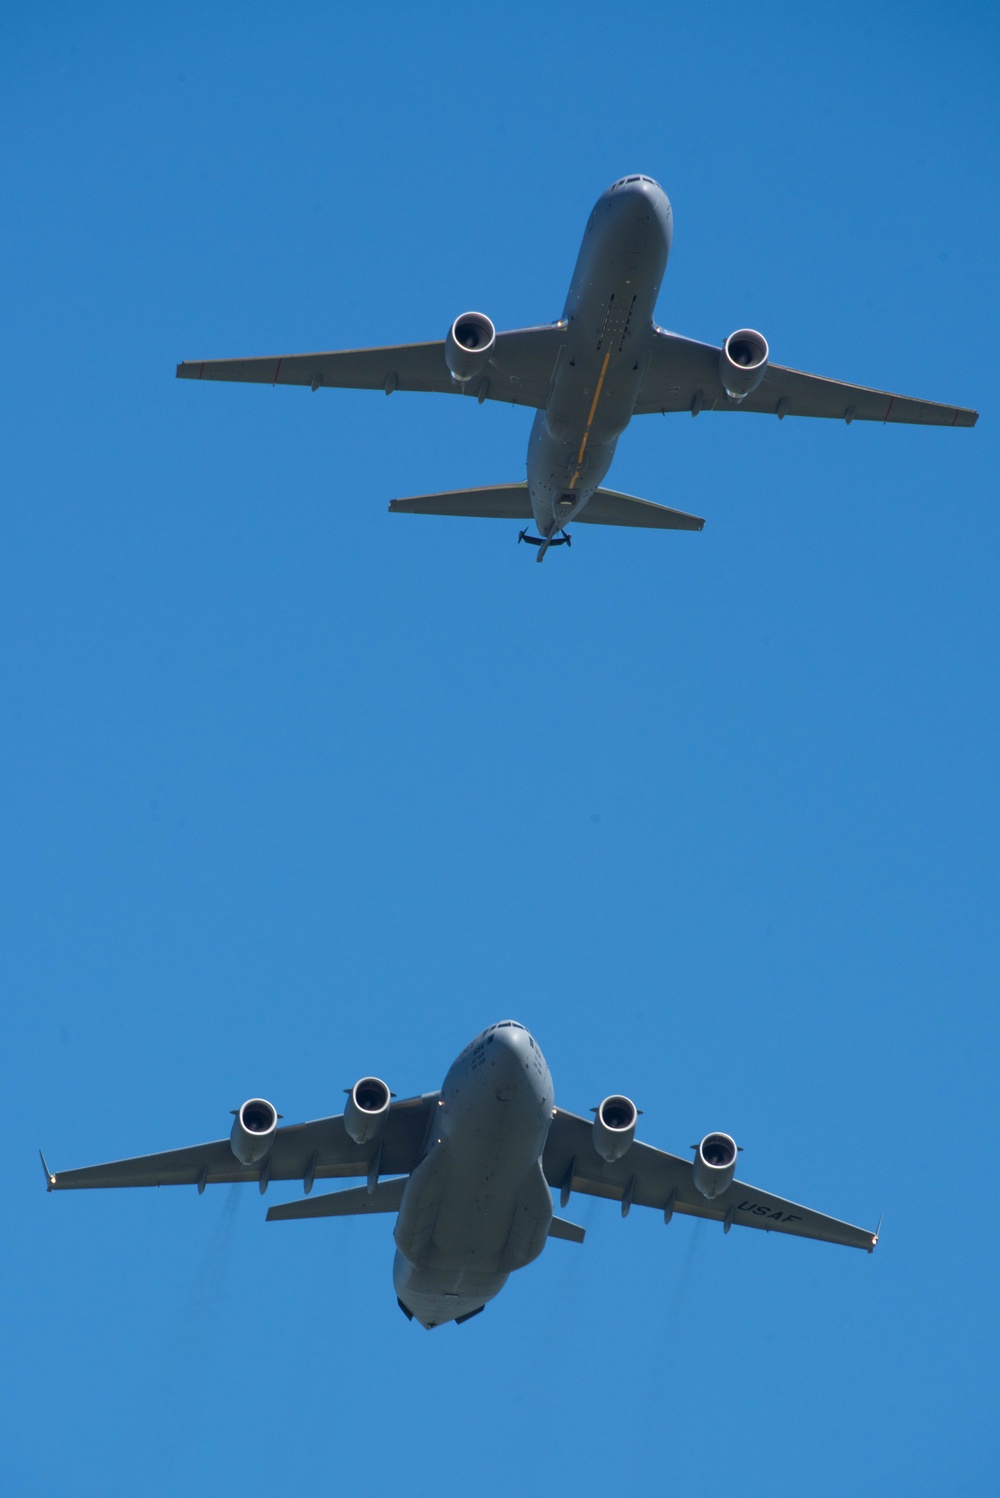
(253, 1131)
(715, 1165)
(367, 1109)
(742, 362)
(467, 349)
(614, 1127)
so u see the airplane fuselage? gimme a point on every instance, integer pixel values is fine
(609, 337)
(478, 1206)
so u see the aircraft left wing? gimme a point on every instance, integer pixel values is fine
(519, 372)
(683, 375)
(300, 1152)
(648, 1177)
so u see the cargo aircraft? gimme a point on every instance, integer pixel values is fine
(468, 1171)
(586, 376)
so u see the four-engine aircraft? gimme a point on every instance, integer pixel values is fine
(586, 376)
(468, 1171)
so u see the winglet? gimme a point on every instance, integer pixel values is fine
(876, 1233)
(50, 1179)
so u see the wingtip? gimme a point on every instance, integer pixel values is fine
(875, 1235)
(50, 1179)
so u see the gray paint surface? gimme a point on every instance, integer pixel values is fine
(468, 1172)
(586, 376)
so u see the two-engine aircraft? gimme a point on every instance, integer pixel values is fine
(586, 376)
(467, 1171)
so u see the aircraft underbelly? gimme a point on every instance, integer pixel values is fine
(478, 1205)
(602, 367)
(495, 1122)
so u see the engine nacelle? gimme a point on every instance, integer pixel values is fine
(367, 1107)
(467, 349)
(742, 362)
(614, 1127)
(253, 1131)
(715, 1165)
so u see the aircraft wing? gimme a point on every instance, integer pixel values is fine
(648, 1177)
(520, 369)
(684, 376)
(319, 1149)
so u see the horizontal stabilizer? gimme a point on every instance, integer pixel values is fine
(560, 1228)
(605, 507)
(356, 1202)
(498, 502)
(511, 502)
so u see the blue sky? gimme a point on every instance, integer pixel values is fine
(295, 791)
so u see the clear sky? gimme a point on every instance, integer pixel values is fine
(294, 791)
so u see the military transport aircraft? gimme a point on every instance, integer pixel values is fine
(467, 1171)
(586, 376)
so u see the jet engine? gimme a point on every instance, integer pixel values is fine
(253, 1131)
(467, 349)
(614, 1127)
(715, 1165)
(742, 362)
(367, 1106)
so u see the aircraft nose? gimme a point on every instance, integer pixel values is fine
(638, 202)
(511, 1045)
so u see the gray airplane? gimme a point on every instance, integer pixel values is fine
(586, 376)
(467, 1172)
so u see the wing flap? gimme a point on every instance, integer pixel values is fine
(520, 369)
(357, 1202)
(321, 1149)
(683, 372)
(652, 1178)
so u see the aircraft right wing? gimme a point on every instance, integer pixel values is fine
(648, 1177)
(683, 375)
(300, 1152)
(519, 372)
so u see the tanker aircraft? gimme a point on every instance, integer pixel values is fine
(468, 1171)
(586, 376)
